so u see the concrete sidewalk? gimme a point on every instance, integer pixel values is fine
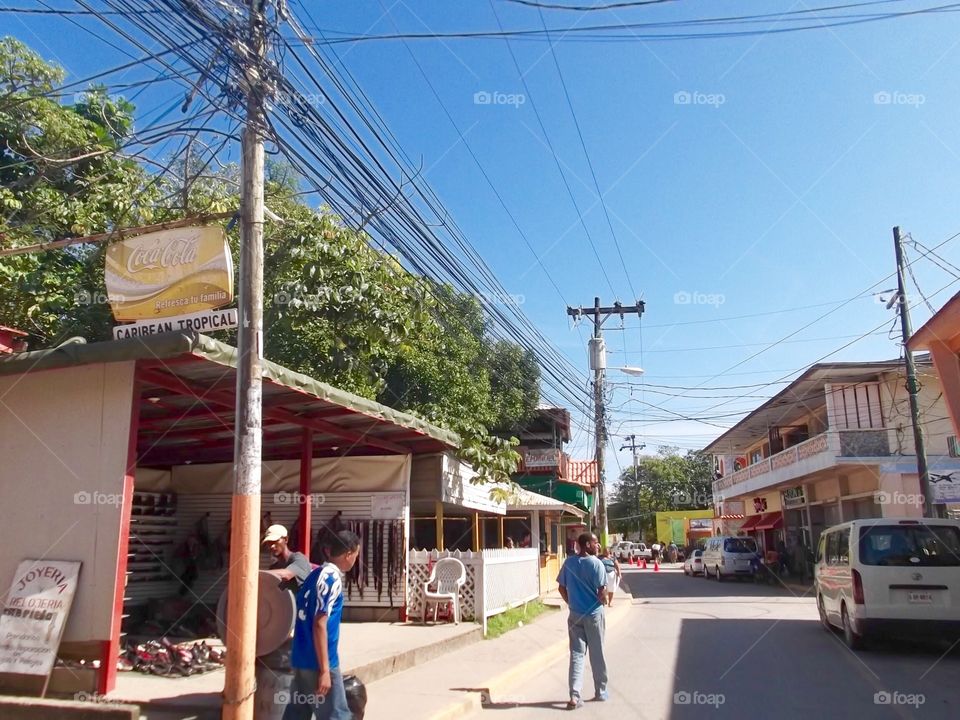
(456, 684)
(370, 651)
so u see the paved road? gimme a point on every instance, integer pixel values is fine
(696, 648)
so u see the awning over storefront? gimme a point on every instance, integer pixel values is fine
(751, 523)
(769, 521)
(528, 501)
(557, 489)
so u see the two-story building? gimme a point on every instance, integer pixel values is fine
(834, 445)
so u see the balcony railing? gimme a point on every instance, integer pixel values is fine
(833, 443)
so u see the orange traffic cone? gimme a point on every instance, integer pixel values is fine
(644, 563)
(656, 566)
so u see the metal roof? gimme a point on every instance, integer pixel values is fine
(521, 499)
(187, 386)
(801, 397)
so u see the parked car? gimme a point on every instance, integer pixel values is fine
(693, 565)
(640, 551)
(726, 557)
(623, 551)
(889, 576)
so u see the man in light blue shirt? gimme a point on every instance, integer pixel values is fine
(583, 583)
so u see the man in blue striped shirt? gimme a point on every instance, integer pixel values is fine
(317, 688)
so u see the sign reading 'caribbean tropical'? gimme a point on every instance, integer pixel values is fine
(169, 273)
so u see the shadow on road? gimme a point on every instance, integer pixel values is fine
(745, 668)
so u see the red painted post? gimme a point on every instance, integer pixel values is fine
(306, 505)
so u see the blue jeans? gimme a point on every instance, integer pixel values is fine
(586, 633)
(304, 702)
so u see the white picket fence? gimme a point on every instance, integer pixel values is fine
(497, 580)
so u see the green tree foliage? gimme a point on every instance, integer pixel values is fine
(335, 308)
(61, 175)
(667, 481)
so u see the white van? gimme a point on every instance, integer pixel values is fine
(889, 576)
(726, 556)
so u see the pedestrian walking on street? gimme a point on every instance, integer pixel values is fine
(614, 574)
(317, 690)
(583, 586)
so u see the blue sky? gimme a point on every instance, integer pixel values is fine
(773, 190)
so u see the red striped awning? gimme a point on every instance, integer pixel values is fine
(751, 523)
(730, 517)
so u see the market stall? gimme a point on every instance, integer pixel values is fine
(119, 455)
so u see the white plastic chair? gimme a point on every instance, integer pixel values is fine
(449, 575)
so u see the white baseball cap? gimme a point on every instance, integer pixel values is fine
(274, 533)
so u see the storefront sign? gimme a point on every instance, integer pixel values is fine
(169, 273)
(34, 615)
(794, 497)
(545, 458)
(760, 504)
(201, 322)
(701, 524)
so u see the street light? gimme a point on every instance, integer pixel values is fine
(628, 370)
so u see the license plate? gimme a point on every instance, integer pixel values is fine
(920, 598)
(743, 563)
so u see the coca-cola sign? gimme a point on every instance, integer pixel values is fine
(169, 273)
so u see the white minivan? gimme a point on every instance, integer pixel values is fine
(725, 557)
(889, 576)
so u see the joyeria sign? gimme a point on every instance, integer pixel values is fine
(169, 273)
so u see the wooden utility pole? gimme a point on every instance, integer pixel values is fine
(240, 682)
(634, 447)
(598, 362)
(913, 387)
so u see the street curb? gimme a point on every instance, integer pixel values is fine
(499, 684)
